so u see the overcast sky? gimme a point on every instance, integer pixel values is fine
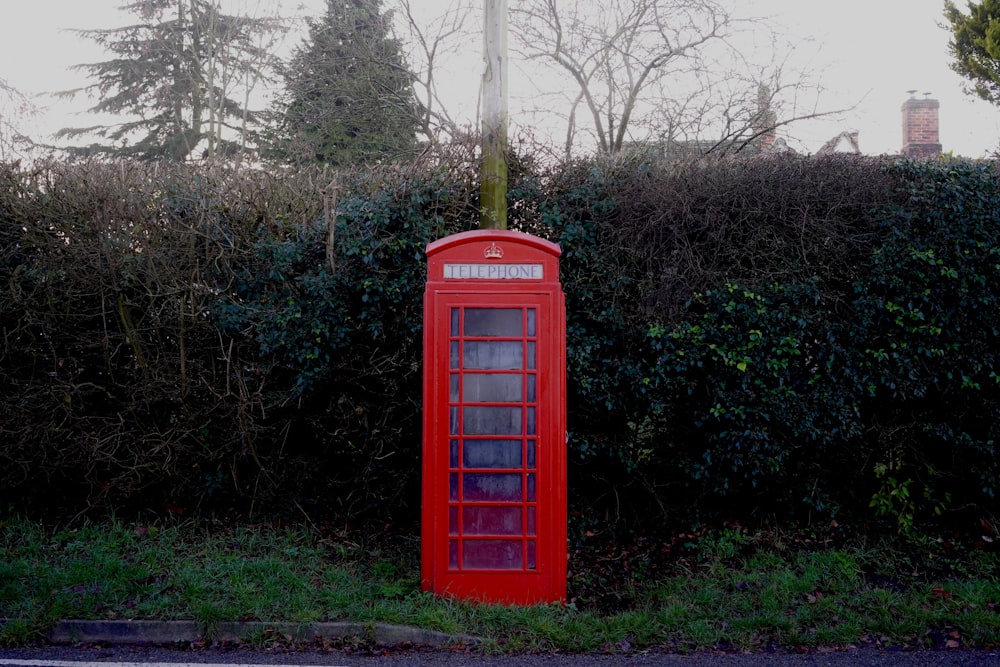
(872, 52)
(868, 53)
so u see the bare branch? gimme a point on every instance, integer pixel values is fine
(15, 109)
(430, 42)
(648, 69)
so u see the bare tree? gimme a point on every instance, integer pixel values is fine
(238, 61)
(663, 71)
(616, 51)
(15, 108)
(430, 41)
(731, 107)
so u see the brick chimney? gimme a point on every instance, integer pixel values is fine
(920, 128)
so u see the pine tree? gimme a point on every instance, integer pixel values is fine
(975, 46)
(348, 94)
(174, 76)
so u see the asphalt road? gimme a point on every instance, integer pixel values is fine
(135, 656)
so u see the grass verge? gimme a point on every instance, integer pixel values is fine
(729, 589)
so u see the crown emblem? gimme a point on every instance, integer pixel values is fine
(493, 251)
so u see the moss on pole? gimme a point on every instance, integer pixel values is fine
(493, 171)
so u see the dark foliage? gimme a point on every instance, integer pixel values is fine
(789, 337)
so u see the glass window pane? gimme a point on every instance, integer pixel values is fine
(491, 421)
(531, 421)
(531, 321)
(493, 354)
(531, 356)
(531, 389)
(453, 486)
(491, 487)
(531, 556)
(531, 488)
(531, 453)
(453, 421)
(453, 355)
(531, 521)
(453, 554)
(491, 520)
(453, 454)
(453, 520)
(491, 555)
(492, 454)
(493, 322)
(454, 321)
(453, 388)
(494, 388)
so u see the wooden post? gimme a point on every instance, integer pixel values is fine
(331, 196)
(493, 171)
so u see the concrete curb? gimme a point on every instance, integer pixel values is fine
(125, 632)
(169, 632)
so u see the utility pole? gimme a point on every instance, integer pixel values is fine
(493, 171)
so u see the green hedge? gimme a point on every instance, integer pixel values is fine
(788, 337)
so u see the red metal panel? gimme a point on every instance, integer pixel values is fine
(494, 452)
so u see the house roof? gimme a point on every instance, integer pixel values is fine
(845, 142)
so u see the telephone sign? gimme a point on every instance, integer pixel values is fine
(494, 448)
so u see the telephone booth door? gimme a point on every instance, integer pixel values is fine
(494, 513)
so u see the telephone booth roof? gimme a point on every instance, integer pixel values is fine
(520, 238)
(493, 259)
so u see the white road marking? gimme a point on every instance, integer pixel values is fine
(86, 663)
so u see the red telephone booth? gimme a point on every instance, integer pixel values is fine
(494, 449)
